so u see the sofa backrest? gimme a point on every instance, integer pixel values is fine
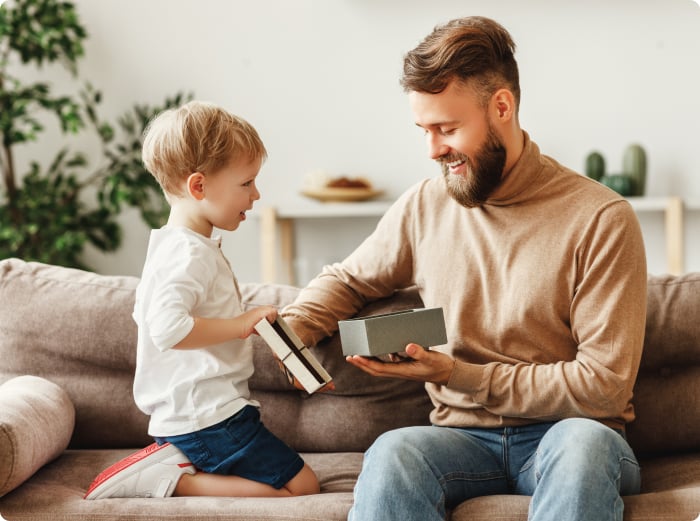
(75, 328)
(360, 408)
(667, 392)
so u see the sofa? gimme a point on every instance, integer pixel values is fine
(67, 346)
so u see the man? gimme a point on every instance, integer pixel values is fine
(542, 278)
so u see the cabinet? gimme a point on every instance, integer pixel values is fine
(277, 229)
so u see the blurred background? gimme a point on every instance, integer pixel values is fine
(319, 80)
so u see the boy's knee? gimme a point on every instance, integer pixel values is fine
(304, 483)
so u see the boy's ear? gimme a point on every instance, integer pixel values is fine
(195, 185)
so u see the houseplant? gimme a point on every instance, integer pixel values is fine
(632, 180)
(50, 213)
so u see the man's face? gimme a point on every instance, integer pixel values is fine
(461, 138)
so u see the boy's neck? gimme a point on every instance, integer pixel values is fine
(180, 215)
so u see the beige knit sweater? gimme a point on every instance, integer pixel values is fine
(543, 290)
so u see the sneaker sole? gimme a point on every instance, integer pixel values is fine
(154, 453)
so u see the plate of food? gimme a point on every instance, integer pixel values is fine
(343, 189)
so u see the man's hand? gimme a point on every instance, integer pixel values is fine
(330, 386)
(426, 366)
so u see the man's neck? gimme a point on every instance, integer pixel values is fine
(515, 144)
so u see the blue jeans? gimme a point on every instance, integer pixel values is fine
(240, 446)
(574, 469)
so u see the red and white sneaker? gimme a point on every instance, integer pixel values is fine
(151, 472)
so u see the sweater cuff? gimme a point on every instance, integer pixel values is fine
(469, 379)
(308, 336)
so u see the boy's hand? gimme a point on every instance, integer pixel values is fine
(251, 317)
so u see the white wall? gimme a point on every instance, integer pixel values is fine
(319, 79)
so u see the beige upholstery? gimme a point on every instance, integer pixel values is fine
(36, 423)
(74, 329)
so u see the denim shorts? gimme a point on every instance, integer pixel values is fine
(240, 446)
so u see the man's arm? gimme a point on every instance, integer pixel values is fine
(382, 264)
(607, 317)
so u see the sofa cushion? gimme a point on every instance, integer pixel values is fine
(673, 322)
(75, 328)
(667, 392)
(55, 493)
(36, 424)
(359, 409)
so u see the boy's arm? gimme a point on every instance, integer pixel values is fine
(210, 331)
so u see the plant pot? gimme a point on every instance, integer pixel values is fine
(621, 183)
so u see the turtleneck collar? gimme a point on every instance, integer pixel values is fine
(519, 182)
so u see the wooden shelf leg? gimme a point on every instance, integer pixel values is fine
(287, 249)
(674, 236)
(270, 227)
(268, 244)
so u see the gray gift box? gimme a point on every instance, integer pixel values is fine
(390, 333)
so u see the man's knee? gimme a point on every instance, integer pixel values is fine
(577, 448)
(583, 438)
(400, 447)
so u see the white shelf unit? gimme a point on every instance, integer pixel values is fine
(279, 222)
(277, 228)
(674, 210)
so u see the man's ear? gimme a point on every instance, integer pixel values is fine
(503, 103)
(195, 185)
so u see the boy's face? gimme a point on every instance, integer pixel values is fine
(230, 193)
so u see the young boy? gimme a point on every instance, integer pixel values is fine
(193, 362)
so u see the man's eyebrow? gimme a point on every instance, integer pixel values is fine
(439, 124)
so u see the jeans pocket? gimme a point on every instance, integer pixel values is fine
(193, 447)
(630, 479)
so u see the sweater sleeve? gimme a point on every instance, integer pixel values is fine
(380, 265)
(607, 319)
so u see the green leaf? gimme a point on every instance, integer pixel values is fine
(51, 213)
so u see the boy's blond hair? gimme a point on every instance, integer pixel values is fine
(196, 137)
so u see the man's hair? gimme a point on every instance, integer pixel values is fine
(196, 137)
(475, 51)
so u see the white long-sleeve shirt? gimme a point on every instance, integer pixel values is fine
(185, 276)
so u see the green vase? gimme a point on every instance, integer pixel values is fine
(634, 164)
(595, 166)
(621, 183)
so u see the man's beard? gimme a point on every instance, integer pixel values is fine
(483, 174)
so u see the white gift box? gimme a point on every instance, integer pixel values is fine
(294, 354)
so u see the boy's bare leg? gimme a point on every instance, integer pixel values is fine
(203, 484)
(304, 483)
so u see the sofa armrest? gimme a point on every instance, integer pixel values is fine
(36, 423)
